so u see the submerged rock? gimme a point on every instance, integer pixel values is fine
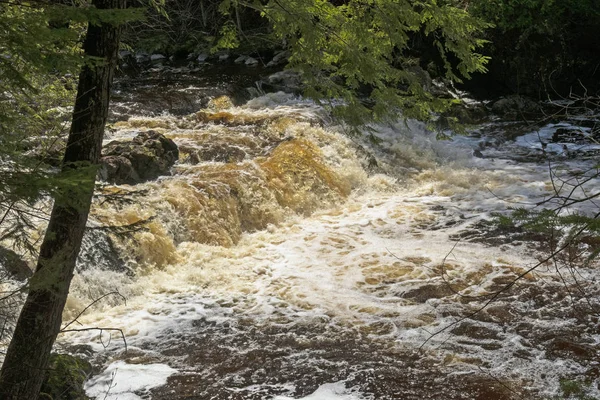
(148, 156)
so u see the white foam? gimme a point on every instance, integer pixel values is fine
(328, 391)
(120, 380)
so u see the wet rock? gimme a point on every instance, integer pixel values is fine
(118, 169)
(422, 76)
(148, 156)
(568, 135)
(202, 57)
(515, 106)
(475, 331)
(426, 292)
(279, 58)
(12, 263)
(220, 103)
(467, 113)
(142, 58)
(99, 252)
(222, 153)
(65, 377)
(240, 59)
(562, 347)
(287, 81)
(124, 54)
(82, 350)
(251, 62)
(157, 58)
(219, 152)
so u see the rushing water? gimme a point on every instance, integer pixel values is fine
(284, 259)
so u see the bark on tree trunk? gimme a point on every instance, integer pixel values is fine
(39, 323)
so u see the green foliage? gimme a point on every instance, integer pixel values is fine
(65, 378)
(356, 56)
(228, 37)
(40, 56)
(361, 47)
(542, 221)
(567, 228)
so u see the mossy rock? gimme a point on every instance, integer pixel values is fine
(65, 378)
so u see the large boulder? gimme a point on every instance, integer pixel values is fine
(146, 157)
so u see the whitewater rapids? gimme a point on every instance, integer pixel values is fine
(311, 264)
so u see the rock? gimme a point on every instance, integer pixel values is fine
(251, 62)
(158, 68)
(12, 263)
(156, 58)
(142, 58)
(65, 377)
(240, 59)
(467, 114)
(428, 291)
(124, 54)
(515, 105)
(148, 156)
(569, 135)
(422, 76)
(562, 347)
(476, 331)
(279, 58)
(287, 81)
(220, 152)
(220, 103)
(99, 252)
(477, 153)
(202, 57)
(223, 57)
(118, 169)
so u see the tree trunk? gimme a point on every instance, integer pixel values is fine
(39, 323)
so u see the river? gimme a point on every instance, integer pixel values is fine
(286, 259)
